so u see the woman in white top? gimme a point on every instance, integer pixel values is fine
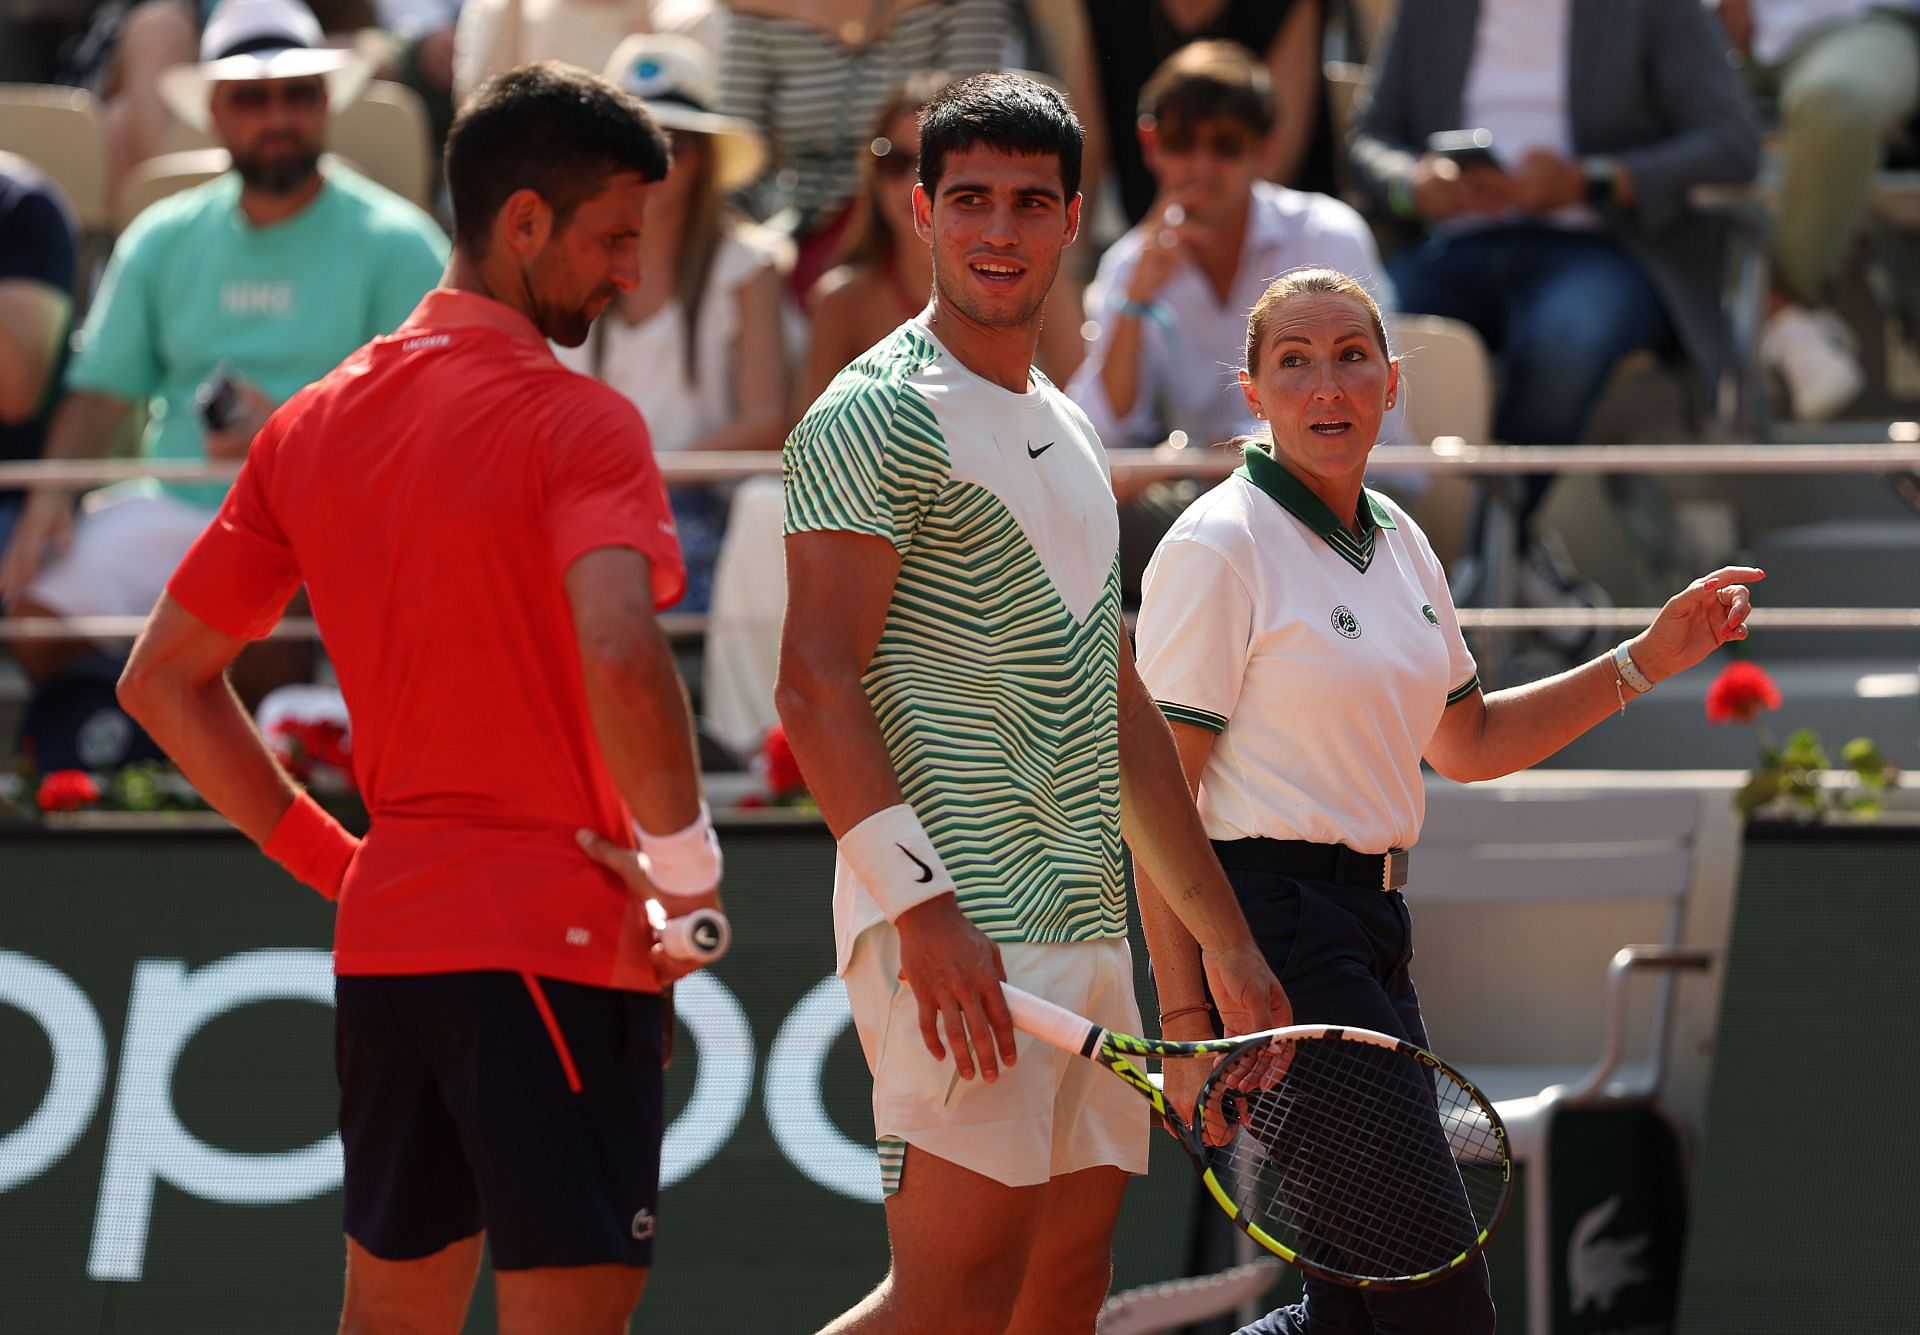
(697, 345)
(1297, 632)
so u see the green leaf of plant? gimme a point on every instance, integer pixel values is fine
(1761, 788)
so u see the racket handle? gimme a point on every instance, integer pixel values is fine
(701, 936)
(1050, 1023)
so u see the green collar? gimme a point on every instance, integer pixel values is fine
(1272, 477)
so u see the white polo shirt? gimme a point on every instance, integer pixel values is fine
(1324, 661)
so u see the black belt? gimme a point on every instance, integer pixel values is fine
(1315, 862)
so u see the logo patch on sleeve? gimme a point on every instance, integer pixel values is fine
(1426, 610)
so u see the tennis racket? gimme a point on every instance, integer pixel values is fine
(1353, 1155)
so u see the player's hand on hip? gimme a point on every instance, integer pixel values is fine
(1245, 992)
(627, 865)
(955, 973)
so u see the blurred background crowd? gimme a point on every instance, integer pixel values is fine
(203, 208)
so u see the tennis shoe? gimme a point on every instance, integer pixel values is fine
(1817, 357)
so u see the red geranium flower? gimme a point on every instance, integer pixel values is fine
(68, 790)
(1741, 692)
(782, 770)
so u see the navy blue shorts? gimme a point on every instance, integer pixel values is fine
(458, 1114)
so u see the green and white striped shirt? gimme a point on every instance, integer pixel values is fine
(996, 677)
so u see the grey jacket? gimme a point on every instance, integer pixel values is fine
(1650, 82)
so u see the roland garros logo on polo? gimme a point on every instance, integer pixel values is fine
(1345, 622)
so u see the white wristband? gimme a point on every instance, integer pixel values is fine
(894, 859)
(685, 863)
(1630, 671)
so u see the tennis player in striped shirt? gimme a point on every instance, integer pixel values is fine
(956, 682)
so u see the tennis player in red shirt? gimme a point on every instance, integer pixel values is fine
(485, 539)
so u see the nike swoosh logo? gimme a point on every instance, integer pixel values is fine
(926, 872)
(1035, 454)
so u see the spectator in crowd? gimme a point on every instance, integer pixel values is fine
(1134, 38)
(1845, 72)
(886, 273)
(38, 245)
(1172, 295)
(258, 281)
(697, 346)
(496, 35)
(1575, 245)
(119, 57)
(812, 75)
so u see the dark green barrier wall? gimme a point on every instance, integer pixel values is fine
(1803, 1216)
(112, 1218)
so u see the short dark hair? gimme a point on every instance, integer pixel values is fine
(1009, 112)
(549, 128)
(1205, 81)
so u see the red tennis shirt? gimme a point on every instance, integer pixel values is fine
(430, 492)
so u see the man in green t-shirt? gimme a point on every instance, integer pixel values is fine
(264, 278)
(956, 683)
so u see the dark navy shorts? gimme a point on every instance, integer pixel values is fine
(462, 1110)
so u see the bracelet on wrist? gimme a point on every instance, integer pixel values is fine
(1629, 671)
(1178, 1011)
(895, 860)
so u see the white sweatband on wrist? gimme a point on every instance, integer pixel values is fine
(1630, 671)
(895, 861)
(685, 863)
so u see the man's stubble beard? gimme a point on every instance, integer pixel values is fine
(966, 303)
(281, 176)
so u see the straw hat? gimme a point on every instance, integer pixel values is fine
(676, 78)
(262, 39)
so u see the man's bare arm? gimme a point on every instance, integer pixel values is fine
(639, 705)
(33, 320)
(175, 684)
(839, 586)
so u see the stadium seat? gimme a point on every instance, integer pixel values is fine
(59, 131)
(385, 135)
(167, 174)
(1448, 381)
(1597, 1155)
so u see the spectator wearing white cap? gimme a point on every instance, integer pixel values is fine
(697, 344)
(217, 304)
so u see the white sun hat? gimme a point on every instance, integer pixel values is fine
(262, 39)
(676, 78)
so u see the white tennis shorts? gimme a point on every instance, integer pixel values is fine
(126, 546)
(1050, 1114)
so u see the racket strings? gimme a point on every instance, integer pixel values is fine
(1353, 1155)
(1368, 1210)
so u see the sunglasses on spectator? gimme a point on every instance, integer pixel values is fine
(258, 96)
(891, 159)
(1224, 145)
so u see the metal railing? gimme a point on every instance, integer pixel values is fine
(1446, 456)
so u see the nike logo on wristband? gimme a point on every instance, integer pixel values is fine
(926, 872)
